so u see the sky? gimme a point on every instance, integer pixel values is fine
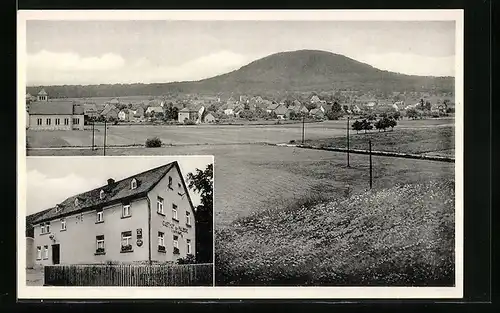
(145, 51)
(51, 180)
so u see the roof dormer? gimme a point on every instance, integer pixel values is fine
(133, 183)
(77, 202)
(59, 207)
(102, 194)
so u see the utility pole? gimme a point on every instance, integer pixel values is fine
(348, 141)
(303, 125)
(105, 127)
(93, 123)
(370, 144)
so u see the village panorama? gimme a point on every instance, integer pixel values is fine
(329, 171)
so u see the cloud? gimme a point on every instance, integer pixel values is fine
(411, 64)
(70, 61)
(46, 68)
(44, 192)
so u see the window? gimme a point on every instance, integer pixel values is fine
(45, 252)
(63, 224)
(100, 216)
(58, 121)
(170, 182)
(179, 185)
(159, 205)
(66, 121)
(76, 121)
(188, 244)
(176, 241)
(126, 210)
(126, 241)
(99, 243)
(102, 194)
(38, 253)
(48, 121)
(174, 211)
(133, 184)
(47, 227)
(42, 228)
(161, 239)
(188, 218)
(39, 121)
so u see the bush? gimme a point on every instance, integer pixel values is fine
(189, 259)
(153, 142)
(189, 122)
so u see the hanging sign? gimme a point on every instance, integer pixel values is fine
(139, 242)
(139, 233)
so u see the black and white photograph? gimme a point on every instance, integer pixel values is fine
(337, 138)
(119, 221)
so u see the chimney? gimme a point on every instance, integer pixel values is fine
(111, 181)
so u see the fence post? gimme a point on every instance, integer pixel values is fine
(303, 126)
(348, 141)
(370, 145)
(105, 127)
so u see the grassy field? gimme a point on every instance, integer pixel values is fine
(204, 134)
(397, 236)
(437, 140)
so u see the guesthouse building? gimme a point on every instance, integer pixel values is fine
(147, 217)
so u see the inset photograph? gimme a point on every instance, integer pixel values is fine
(119, 221)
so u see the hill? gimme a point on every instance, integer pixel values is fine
(296, 71)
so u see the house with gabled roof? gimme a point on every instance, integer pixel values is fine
(146, 217)
(271, 107)
(110, 111)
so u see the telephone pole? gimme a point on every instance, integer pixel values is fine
(105, 128)
(370, 145)
(93, 135)
(348, 141)
(303, 125)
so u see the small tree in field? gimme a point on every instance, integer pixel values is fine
(392, 123)
(379, 125)
(154, 142)
(357, 126)
(366, 125)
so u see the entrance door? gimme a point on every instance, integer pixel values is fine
(55, 254)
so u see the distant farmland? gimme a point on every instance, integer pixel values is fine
(211, 134)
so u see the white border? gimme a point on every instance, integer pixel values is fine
(27, 292)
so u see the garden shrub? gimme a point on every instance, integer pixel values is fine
(154, 142)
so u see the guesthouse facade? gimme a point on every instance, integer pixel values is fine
(145, 218)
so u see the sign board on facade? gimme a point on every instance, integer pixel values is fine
(139, 233)
(175, 228)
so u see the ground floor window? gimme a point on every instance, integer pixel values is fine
(188, 244)
(176, 244)
(126, 241)
(48, 121)
(161, 241)
(76, 121)
(39, 121)
(58, 121)
(66, 121)
(45, 252)
(100, 244)
(38, 253)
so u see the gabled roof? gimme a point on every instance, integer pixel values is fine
(273, 106)
(108, 108)
(280, 110)
(51, 108)
(115, 193)
(42, 92)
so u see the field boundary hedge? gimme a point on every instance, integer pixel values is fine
(381, 153)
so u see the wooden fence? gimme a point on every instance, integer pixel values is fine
(129, 275)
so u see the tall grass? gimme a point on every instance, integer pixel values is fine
(400, 236)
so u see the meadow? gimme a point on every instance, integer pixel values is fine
(129, 135)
